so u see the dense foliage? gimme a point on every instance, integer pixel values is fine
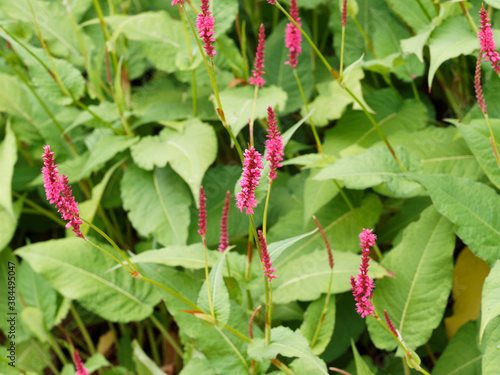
(141, 111)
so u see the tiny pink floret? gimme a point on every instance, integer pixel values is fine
(252, 166)
(488, 47)
(266, 260)
(362, 286)
(205, 23)
(59, 192)
(177, 2)
(274, 145)
(80, 370)
(224, 237)
(293, 37)
(202, 214)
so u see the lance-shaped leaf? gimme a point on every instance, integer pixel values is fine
(78, 271)
(312, 318)
(416, 297)
(276, 248)
(471, 206)
(490, 303)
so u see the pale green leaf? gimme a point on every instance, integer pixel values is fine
(275, 249)
(317, 194)
(491, 359)
(361, 366)
(187, 256)
(143, 364)
(471, 206)
(197, 366)
(288, 343)
(376, 168)
(31, 356)
(158, 204)
(451, 39)
(6, 352)
(415, 298)
(15, 98)
(462, 355)
(95, 362)
(218, 292)
(312, 317)
(33, 319)
(490, 302)
(238, 104)
(77, 270)
(306, 277)
(411, 12)
(189, 152)
(477, 136)
(224, 12)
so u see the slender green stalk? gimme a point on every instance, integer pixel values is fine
(492, 140)
(173, 292)
(235, 349)
(42, 354)
(267, 329)
(252, 118)
(264, 221)
(324, 311)
(342, 53)
(210, 304)
(167, 336)
(55, 347)
(282, 366)
(82, 328)
(152, 343)
(40, 209)
(237, 333)
(108, 254)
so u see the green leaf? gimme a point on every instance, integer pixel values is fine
(288, 343)
(412, 13)
(189, 152)
(306, 277)
(218, 292)
(477, 136)
(491, 359)
(77, 270)
(197, 366)
(8, 215)
(158, 204)
(361, 366)
(490, 302)
(5, 353)
(33, 319)
(333, 99)
(451, 39)
(224, 12)
(312, 318)
(15, 98)
(238, 104)
(275, 249)
(462, 355)
(470, 206)
(143, 364)
(187, 256)
(317, 194)
(376, 168)
(416, 297)
(96, 362)
(281, 75)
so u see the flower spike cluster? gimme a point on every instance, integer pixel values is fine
(266, 260)
(177, 2)
(487, 41)
(202, 214)
(389, 323)
(362, 286)
(293, 37)
(205, 24)
(344, 14)
(273, 2)
(58, 191)
(224, 238)
(257, 79)
(252, 166)
(274, 145)
(80, 370)
(477, 86)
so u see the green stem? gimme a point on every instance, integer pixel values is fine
(266, 207)
(429, 18)
(173, 292)
(235, 349)
(167, 336)
(267, 329)
(82, 328)
(492, 140)
(42, 354)
(55, 347)
(108, 254)
(365, 36)
(282, 366)
(342, 53)
(152, 343)
(211, 306)
(40, 209)
(252, 118)
(324, 311)
(237, 333)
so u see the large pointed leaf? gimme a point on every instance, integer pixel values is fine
(143, 364)
(471, 206)
(77, 270)
(376, 168)
(416, 297)
(158, 204)
(317, 194)
(491, 359)
(189, 152)
(312, 317)
(490, 304)
(361, 366)
(276, 248)
(414, 13)
(218, 292)
(288, 343)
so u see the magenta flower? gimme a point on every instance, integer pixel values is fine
(80, 370)
(485, 35)
(205, 24)
(257, 79)
(362, 286)
(274, 145)
(177, 2)
(273, 2)
(389, 323)
(224, 238)
(477, 85)
(344, 13)
(249, 180)
(293, 37)
(202, 214)
(266, 260)
(59, 192)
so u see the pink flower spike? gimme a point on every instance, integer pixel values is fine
(362, 286)
(487, 41)
(477, 85)
(273, 2)
(58, 191)
(344, 14)
(389, 323)
(224, 238)
(266, 260)
(205, 24)
(274, 145)
(181, 2)
(80, 370)
(293, 37)
(250, 177)
(257, 79)
(202, 215)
